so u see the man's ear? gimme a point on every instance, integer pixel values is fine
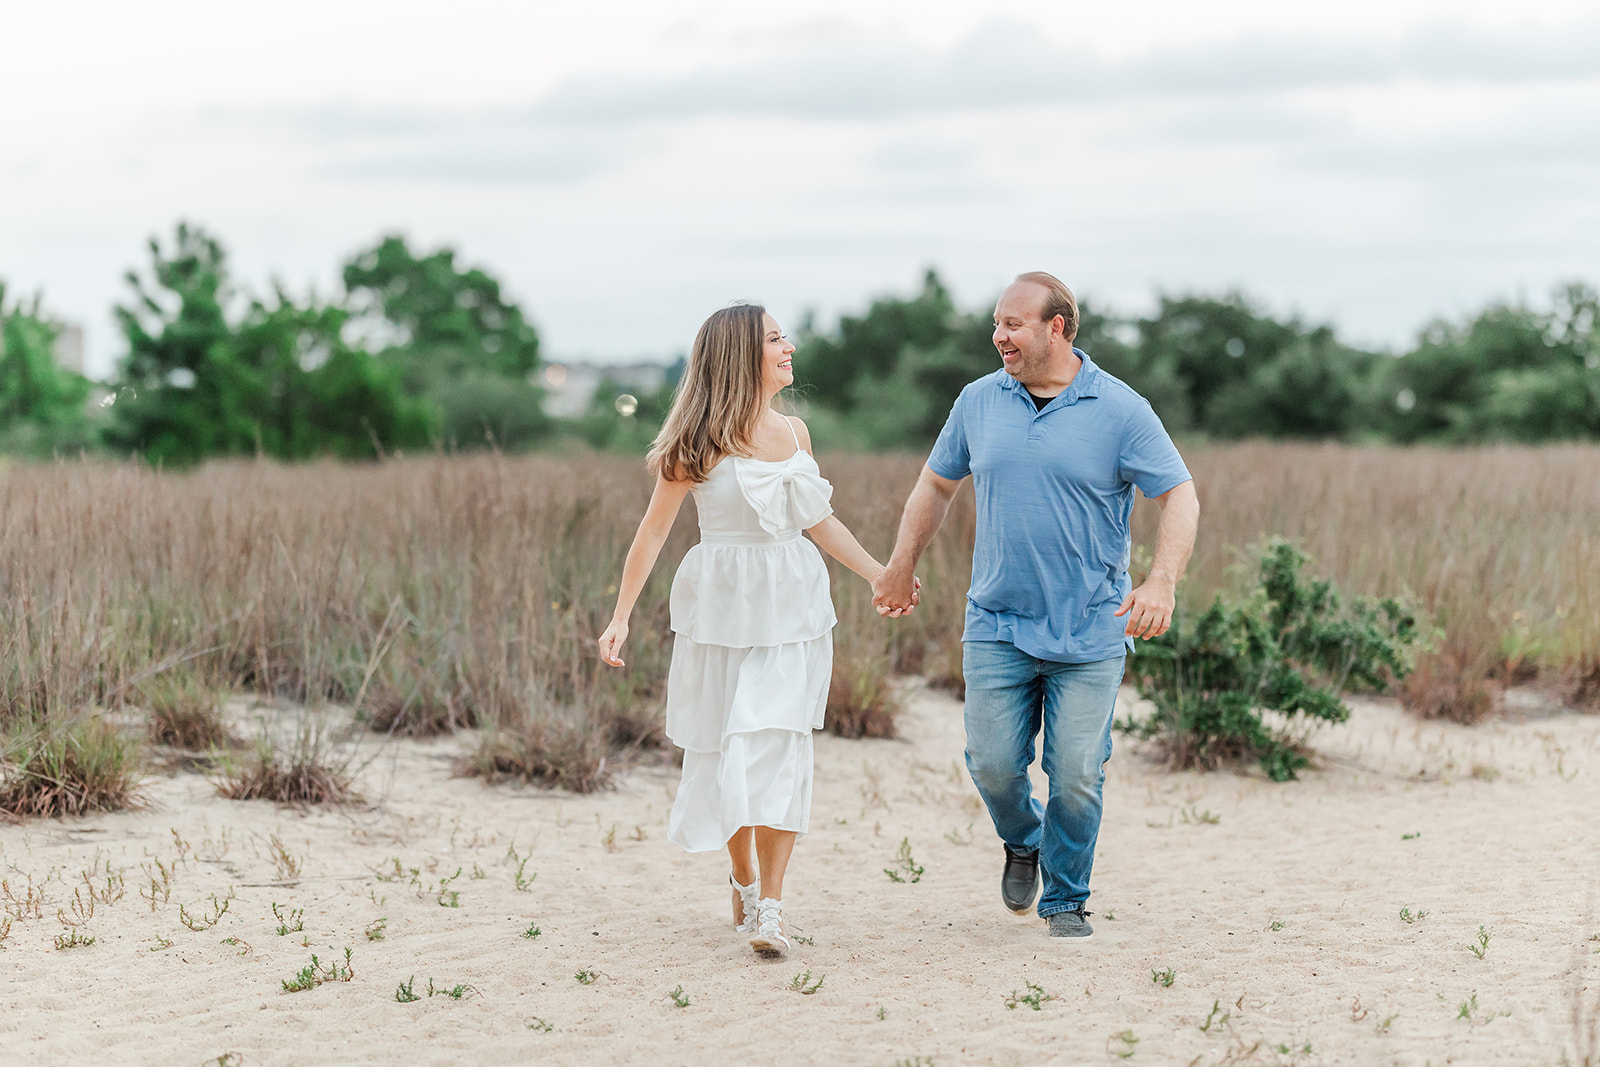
(1058, 328)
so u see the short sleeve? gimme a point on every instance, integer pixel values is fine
(1148, 457)
(951, 458)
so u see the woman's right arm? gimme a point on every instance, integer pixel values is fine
(665, 502)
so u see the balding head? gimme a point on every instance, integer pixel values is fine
(1053, 298)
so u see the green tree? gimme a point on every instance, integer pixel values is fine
(181, 392)
(1510, 373)
(320, 396)
(42, 406)
(453, 339)
(280, 380)
(869, 346)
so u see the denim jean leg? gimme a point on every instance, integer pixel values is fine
(1079, 699)
(1002, 716)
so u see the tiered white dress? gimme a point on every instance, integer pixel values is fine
(752, 651)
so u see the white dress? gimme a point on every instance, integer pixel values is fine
(752, 651)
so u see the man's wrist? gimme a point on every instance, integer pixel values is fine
(1165, 578)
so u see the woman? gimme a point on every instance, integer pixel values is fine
(751, 616)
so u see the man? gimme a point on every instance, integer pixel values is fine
(1055, 447)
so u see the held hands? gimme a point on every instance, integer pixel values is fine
(611, 642)
(895, 592)
(1149, 608)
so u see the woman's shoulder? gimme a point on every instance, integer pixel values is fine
(801, 434)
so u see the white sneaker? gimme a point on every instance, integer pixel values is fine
(768, 940)
(749, 897)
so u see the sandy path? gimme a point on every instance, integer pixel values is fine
(1507, 818)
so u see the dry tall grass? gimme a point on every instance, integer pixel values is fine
(1500, 545)
(435, 592)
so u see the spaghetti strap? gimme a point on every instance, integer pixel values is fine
(792, 433)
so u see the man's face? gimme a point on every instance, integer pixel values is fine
(1022, 337)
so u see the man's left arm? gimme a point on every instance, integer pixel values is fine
(1149, 607)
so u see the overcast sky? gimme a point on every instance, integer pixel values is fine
(627, 167)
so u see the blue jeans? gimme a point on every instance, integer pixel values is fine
(1010, 695)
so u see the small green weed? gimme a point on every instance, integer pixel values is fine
(1194, 816)
(882, 1013)
(1122, 1045)
(294, 917)
(532, 931)
(524, 883)
(73, 939)
(161, 945)
(1033, 998)
(805, 940)
(802, 983)
(239, 943)
(906, 869)
(1285, 1050)
(1480, 944)
(406, 994)
(455, 992)
(587, 977)
(1383, 1027)
(1275, 925)
(1468, 1009)
(914, 1061)
(1217, 1017)
(1411, 837)
(447, 897)
(1164, 977)
(539, 1024)
(317, 973)
(679, 997)
(219, 908)
(377, 929)
(1408, 916)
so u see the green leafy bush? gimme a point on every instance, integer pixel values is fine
(1292, 647)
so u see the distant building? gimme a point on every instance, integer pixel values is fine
(570, 386)
(69, 348)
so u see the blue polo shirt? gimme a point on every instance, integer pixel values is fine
(1054, 490)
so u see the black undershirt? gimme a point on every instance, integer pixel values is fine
(1038, 401)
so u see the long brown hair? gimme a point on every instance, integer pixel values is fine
(718, 403)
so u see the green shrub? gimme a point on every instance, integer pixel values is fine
(1292, 647)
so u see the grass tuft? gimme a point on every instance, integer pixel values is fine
(307, 773)
(561, 754)
(71, 767)
(184, 713)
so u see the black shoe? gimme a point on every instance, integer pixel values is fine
(1019, 882)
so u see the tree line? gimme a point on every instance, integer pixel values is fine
(1221, 367)
(416, 351)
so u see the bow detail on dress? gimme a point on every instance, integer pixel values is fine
(786, 496)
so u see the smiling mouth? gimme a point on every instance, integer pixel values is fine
(787, 364)
(1008, 354)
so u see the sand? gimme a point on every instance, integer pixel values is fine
(1276, 908)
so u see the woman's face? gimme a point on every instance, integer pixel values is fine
(777, 362)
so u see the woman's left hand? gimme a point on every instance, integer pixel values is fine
(611, 642)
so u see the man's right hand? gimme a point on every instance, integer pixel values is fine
(896, 591)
